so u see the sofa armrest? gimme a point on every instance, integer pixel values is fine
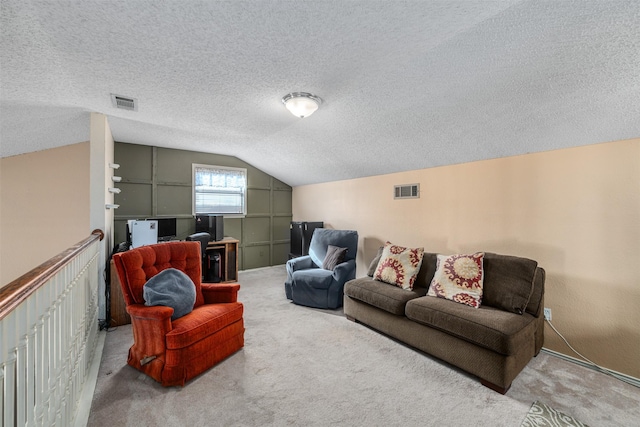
(220, 292)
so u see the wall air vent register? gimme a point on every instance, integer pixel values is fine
(409, 191)
(124, 102)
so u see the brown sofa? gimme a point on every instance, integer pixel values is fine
(493, 342)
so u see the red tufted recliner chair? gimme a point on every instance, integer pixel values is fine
(173, 352)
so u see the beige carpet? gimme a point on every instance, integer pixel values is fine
(308, 367)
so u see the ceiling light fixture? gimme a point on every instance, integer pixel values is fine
(301, 104)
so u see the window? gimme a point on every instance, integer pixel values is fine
(219, 190)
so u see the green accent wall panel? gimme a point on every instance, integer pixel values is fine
(156, 181)
(282, 202)
(281, 228)
(166, 161)
(257, 256)
(173, 200)
(136, 162)
(256, 230)
(279, 185)
(280, 253)
(233, 228)
(135, 200)
(258, 201)
(257, 178)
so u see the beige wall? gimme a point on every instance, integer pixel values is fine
(101, 155)
(44, 207)
(575, 211)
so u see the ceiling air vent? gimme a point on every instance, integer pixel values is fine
(124, 102)
(410, 191)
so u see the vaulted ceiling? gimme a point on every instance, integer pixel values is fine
(406, 84)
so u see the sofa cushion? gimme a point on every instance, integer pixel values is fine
(317, 278)
(374, 262)
(171, 288)
(498, 330)
(508, 282)
(427, 270)
(535, 300)
(335, 256)
(381, 295)
(459, 278)
(399, 265)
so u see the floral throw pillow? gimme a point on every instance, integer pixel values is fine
(459, 278)
(399, 265)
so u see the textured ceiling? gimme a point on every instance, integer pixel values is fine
(406, 84)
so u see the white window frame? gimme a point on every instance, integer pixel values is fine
(195, 166)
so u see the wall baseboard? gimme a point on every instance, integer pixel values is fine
(626, 378)
(89, 387)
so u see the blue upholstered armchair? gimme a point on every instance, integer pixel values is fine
(308, 283)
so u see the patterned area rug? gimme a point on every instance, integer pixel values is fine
(541, 415)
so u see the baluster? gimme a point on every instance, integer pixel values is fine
(49, 338)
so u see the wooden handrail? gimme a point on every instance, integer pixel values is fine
(20, 289)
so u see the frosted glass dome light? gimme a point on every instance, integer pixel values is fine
(301, 104)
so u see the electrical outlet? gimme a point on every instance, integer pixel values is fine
(547, 313)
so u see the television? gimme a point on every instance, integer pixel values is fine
(167, 228)
(212, 224)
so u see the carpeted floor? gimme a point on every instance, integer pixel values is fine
(308, 367)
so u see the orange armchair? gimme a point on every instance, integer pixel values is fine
(173, 352)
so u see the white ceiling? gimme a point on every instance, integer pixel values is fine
(406, 84)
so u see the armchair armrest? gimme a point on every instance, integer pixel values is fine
(220, 292)
(345, 271)
(295, 264)
(300, 263)
(151, 325)
(156, 312)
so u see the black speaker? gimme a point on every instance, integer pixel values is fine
(212, 224)
(301, 233)
(296, 238)
(309, 228)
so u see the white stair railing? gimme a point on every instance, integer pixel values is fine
(48, 337)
